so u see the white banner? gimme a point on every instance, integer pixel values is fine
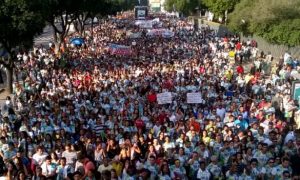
(145, 24)
(164, 98)
(194, 98)
(166, 33)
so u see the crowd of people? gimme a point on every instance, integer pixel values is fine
(86, 113)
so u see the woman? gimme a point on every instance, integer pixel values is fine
(112, 149)
(205, 137)
(20, 166)
(10, 172)
(168, 145)
(149, 139)
(22, 176)
(165, 173)
(181, 156)
(151, 152)
(54, 158)
(99, 154)
(113, 175)
(156, 146)
(48, 143)
(125, 152)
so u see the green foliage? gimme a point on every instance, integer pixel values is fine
(218, 7)
(186, 7)
(276, 21)
(123, 5)
(19, 23)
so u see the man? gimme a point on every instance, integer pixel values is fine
(69, 155)
(202, 173)
(278, 171)
(88, 165)
(39, 156)
(263, 155)
(152, 167)
(64, 169)
(105, 166)
(48, 168)
(214, 168)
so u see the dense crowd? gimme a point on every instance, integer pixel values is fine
(85, 113)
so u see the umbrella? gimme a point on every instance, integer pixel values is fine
(77, 41)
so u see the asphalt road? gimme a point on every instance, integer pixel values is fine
(45, 37)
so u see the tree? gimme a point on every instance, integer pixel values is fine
(276, 21)
(220, 7)
(89, 9)
(60, 14)
(186, 7)
(20, 22)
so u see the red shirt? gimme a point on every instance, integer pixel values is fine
(162, 117)
(151, 98)
(196, 125)
(139, 124)
(88, 166)
(240, 69)
(238, 46)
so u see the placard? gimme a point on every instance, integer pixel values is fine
(194, 98)
(295, 90)
(159, 50)
(164, 98)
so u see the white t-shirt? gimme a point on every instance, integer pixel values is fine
(39, 159)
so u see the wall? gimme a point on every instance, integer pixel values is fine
(276, 50)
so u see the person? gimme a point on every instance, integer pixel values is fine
(48, 168)
(40, 156)
(77, 175)
(280, 169)
(105, 101)
(38, 174)
(105, 166)
(63, 170)
(295, 165)
(202, 173)
(69, 155)
(88, 166)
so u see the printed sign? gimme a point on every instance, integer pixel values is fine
(164, 98)
(166, 33)
(119, 49)
(194, 98)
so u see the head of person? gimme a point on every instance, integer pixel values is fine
(77, 175)
(285, 162)
(63, 161)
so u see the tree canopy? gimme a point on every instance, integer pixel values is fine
(219, 7)
(276, 21)
(20, 22)
(186, 7)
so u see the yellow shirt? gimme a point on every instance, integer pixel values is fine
(228, 74)
(118, 167)
(248, 77)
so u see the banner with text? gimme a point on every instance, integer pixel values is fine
(116, 49)
(194, 98)
(164, 98)
(160, 32)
